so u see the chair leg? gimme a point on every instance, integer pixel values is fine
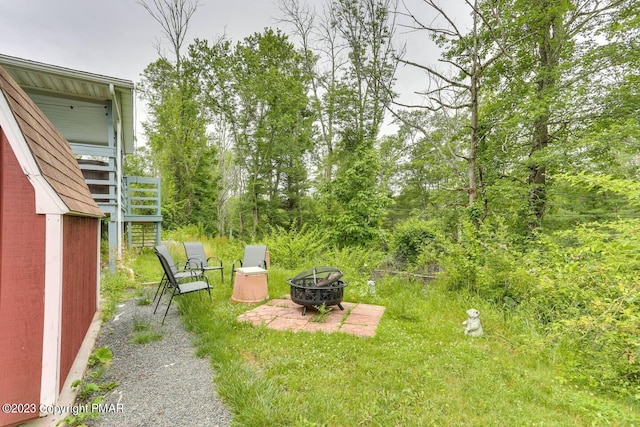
(164, 289)
(162, 282)
(167, 310)
(158, 303)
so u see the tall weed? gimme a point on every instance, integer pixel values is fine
(588, 300)
(487, 263)
(113, 287)
(357, 265)
(581, 285)
(186, 233)
(417, 243)
(296, 247)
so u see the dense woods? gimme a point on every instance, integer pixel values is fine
(513, 170)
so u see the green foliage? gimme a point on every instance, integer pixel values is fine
(295, 247)
(486, 262)
(414, 239)
(91, 392)
(176, 132)
(587, 197)
(580, 284)
(604, 183)
(113, 287)
(139, 163)
(587, 298)
(258, 91)
(356, 263)
(186, 233)
(145, 337)
(144, 334)
(100, 356)
(87, 390)
(82, 416)
(321, 315)
(354, 205)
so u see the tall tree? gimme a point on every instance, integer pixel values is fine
(552, 79)
(426, 169)
(318, 38)
(176, 128)
(355, 200)
(349, 54)
(259, 88)
(468, 55)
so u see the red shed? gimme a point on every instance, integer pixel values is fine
(49, 257)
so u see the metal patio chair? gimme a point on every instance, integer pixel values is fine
(188, 270)
(182, 286)
(196, 256)
(254, 256)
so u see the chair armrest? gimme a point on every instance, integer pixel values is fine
(214, 259)
(193, 264)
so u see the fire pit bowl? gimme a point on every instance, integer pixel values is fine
(317, 286)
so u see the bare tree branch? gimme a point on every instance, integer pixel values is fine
(173, 17)
(433, 72)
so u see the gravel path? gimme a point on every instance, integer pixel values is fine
(161, 383)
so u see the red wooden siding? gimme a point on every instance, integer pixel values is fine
(79, 285)
(22, 261)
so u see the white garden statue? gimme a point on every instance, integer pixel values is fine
(473, 325)
(371, 286)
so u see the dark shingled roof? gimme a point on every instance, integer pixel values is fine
(50, 150)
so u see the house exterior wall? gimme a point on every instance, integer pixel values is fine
(79, 285)
(22, 275)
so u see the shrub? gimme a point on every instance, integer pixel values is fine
(588, 300)
(485, 262)
(295, 248)
(414, 239)
(186, 233)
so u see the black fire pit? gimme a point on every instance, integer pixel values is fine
(317, 286)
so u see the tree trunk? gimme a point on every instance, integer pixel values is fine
(254, 230)
(474, 88)
(548, 63)
(537, 173)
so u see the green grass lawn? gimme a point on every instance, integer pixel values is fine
(419, 369)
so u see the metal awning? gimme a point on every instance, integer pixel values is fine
(45, 78)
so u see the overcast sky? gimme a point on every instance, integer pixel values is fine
(118, 38)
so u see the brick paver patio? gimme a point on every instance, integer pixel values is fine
(283, 314)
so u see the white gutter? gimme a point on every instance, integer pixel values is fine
(118, 118)
(29, 65)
